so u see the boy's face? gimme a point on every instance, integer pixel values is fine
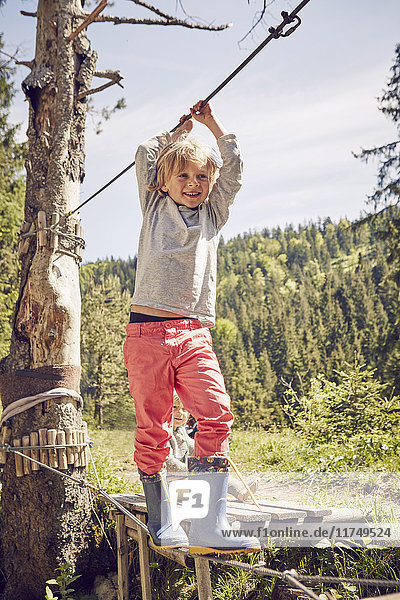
(189, 187)
(179, 414)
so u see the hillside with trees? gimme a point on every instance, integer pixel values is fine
(291, 304)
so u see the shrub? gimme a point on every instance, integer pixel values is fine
(357, 405)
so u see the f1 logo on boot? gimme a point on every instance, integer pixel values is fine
(189, 500)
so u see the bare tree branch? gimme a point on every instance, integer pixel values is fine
(28, 14)
(153, 9)
(9, 55)
(89, 19)
(258, 18)
(169, 21)
(193, 18)
(114, 76)
(166, 19)
(26, 63)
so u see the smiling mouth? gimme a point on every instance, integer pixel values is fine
(191, 194)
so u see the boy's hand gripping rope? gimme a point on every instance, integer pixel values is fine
(275, 33)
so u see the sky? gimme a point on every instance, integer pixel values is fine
(300, 109)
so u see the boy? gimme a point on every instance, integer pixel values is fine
(168, 342)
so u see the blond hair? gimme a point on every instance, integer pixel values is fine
(174, 157)
(177, 400)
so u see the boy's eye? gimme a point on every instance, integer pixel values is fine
(201, 176)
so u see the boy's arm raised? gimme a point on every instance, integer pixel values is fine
(205, 114)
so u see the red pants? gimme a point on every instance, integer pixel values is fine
(175, 354)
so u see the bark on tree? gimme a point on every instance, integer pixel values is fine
(45, 519)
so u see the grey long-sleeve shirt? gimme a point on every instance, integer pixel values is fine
(177, 254)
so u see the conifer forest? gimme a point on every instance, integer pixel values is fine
(294, 305)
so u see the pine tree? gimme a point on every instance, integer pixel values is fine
(386, 197)
(104, 316)
(11, 205)
(387, 192)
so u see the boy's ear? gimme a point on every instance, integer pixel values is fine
(164, 188)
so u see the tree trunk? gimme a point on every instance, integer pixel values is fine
(45, 519)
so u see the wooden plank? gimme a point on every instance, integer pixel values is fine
(26, 441)
(136, 502)
(44, 454)
(34, 438)
(179, 555)
(42, 233)
(345, 515)
(132, 533)
(311, 511)
(80, 439)
(202, 567)
(238, 510)
(24, 247)
(69, 440)
(62, 452)
(144, 561)
(19, 469)
(51, 441)
(86, 441)
(130, 522)
(4, 439)
(74, 440)
(242, 510)
(122, 558)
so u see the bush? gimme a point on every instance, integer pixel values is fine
(358, 405)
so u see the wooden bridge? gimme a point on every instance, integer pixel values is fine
(273, 514)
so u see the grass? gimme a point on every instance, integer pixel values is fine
(113, 456)
(277, 454)
(287, 451)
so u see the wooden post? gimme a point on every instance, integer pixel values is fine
(70, 451)
(4, 439)
(75, 449)
(202, 567)
(51, 440)
(80, 233)
(44, 455)
(122, 558)
(86, 440)
(62, 452)
(19, 469)
(24, 245)
(81, 450)
(26, 441)
(55, 218)
(144, 561)
(34, 437)
(42, 234)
